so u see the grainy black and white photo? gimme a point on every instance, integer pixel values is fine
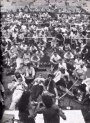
(45, 61)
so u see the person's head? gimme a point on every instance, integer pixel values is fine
(18, 76)
(21, 65)
(66, 78)
(68, 52)
(47, 100)
(40, 75)
(50, 76)
(62, 70)
(29, 65)
(55, 53)
(60, 61)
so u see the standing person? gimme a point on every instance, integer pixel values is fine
(50, 111)
(26, 109)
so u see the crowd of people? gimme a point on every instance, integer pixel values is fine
(49, 39)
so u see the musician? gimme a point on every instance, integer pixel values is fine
(17, 87)
(50, 111)
(57, 75)
(60, 73)
(54, 60)
(63, 85)
(38, 87)
(51, 86)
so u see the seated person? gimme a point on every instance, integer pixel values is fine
(54, 60)
(26, 57)
(35, 59)
(66, 46)
(32, 49)
(68, 55)
(29, 73)
(64, 73)
(62, 64)
(60, 73)
(78, 61)
(23, 46)
(21, 69)
(19, 60)
(80, 73)
(57, 75)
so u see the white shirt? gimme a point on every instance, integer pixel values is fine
(57, 76)
(18, 62)
(55, 58)
(23, 27)
(65, 74)
(63, 65)
(78, 63)
(68, 56)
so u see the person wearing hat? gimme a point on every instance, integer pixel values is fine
(18, 87)
(51, 112)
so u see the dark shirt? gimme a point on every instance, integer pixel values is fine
(50, 84)
(52, 114)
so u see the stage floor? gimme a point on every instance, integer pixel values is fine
(73, 116)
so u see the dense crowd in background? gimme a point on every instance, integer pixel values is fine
(48, 39)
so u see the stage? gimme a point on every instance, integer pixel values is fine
(73, 116)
